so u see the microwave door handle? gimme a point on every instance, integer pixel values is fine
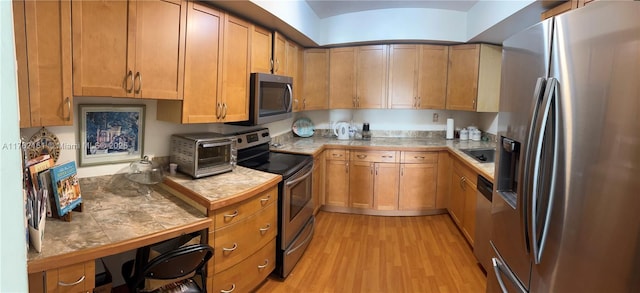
(290, 104)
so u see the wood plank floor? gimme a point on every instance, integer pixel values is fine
(358, 253)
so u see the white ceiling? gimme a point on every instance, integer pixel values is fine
(328, 8)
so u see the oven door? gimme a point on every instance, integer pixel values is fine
(297, 205)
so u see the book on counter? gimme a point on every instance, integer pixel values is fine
(65, 187)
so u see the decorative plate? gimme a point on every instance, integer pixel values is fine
(303, 127)
(43, 142)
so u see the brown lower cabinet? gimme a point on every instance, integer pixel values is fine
(385, 182)
(78, 277)
(462, 204)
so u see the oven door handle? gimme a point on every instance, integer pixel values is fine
(303, 177)
(313, 228)
(213, 144)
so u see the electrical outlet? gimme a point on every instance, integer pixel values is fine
(435, 117)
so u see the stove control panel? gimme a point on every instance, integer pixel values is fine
(253, 138)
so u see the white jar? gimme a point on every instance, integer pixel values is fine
(464, 134)
(476, 135)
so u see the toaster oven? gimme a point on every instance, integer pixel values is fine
(203, 154)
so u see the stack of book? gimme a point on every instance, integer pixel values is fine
(51, 190)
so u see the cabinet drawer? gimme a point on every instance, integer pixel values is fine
(74, 278)
(336, 154)
(419, 157)
(470, 176)
(242, 210)
(233, 243)
(375, 156)
(248, 274)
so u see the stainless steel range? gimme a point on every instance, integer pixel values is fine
(295, 204)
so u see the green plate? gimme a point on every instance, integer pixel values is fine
(303, 127)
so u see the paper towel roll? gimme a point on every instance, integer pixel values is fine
(449, 128)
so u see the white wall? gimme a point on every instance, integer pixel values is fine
(397, 119)
(13, 251)
(156, 135)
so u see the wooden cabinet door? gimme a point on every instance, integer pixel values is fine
(261, 40)
(361, 184)
(279, 54)
(342, 78)
(371, 75)
(298, 80)
(291, 64)
(469, 213)
(403, 76)
(418, 186)
(462, 77)
(432, 76)
(316, 79)
(203, 52)
(74, 278)
(336, 182)
(385, 190)
(103, 59)
(456, 197)
(318, 182)
(159, 49)
(43, 46)
(234, 93)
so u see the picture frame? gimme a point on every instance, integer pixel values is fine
(110, 134)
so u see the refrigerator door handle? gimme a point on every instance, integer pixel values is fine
(498, 269)
(538, 96)
(550, 100)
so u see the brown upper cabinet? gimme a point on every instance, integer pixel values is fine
(279, 53)
(358, 77)
(43, 50)
(216, 76)
(473, 77)
(261, 40)
(128, 48)
(315, 95)
(417, 76)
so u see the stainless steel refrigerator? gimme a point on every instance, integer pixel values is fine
(566, 207)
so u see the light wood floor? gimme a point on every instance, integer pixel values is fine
(357, 253)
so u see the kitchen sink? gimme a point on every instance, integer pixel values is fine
(481, 155)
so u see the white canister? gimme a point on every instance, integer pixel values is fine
(476, 135)
(464, 134)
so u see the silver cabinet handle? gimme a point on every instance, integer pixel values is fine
(233, 288)
(361, 156)
(418, 157)
(235, 214)
(130, 77)
(265, 229)
(388, 157)
(354, 102)
(139, 78)
(234, 247)
(72, 284)
(271, 65)
(218, 110)
(68, 101)
(337, 155)
(462, 183)
(419, 102)
(266, 263)
(264, 201)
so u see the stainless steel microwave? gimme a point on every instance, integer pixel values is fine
(203, 154)
(271, 99)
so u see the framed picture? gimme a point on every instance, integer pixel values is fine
(111, 133)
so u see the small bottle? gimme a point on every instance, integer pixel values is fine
(366, 134)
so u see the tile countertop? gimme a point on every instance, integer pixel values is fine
(115, 218)
(312, 145)
(223, 189)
